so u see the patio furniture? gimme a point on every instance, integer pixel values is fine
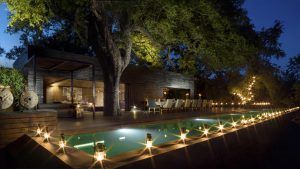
(167, 106)
(152, 105)
(210, 103)
(194, 104)
(160, 103)
(199, 103)
(178, 104)
(204, 104)
(187, 104)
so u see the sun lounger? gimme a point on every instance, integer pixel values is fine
(194, 104)
(187, 104)
(199, 103)
(168, 105)
(210, 103)
(178, 104)
(204, 104)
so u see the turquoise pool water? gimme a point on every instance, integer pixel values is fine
(122, 140)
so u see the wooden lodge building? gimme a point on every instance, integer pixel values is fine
(56, 76)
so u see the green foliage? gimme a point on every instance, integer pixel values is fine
(32, 13)
(14, 79)
(196, 25)
(145, 49)
(208, 36)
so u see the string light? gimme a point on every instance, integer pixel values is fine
(249, 94)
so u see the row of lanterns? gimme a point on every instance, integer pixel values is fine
(100, 149)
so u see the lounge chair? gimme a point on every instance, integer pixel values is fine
(204, 104)
(199, 103)
(152, 105)
(168, 105)
(210, 103)
(178, 104)
(187, 104)
(194, 104)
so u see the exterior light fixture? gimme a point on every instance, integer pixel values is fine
(99, 154)
(221, 127)
(183, 133)
(39, 131)
(62, 142)
(234, 124)
(134, 109)
(46, 135)
(206, 131)
(149, 141)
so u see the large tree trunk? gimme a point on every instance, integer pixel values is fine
(112, 59)
(111, 95)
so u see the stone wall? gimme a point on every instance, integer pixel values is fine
(142, 83)
(39, 84)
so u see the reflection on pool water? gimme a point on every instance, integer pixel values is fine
(132, 138)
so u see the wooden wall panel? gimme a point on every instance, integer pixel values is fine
(13, 125)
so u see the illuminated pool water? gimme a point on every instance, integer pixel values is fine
(122, 140)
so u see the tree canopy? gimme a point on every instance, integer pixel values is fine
(205, 38)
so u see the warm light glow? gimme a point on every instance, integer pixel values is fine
(99, 156)
(62, 144)
(205, 131)
(134, 107)
(149, 144)
(183, 136)
(233, 124)
(221, 127)
(46, 136)
(38, 131)
(246, 95)
(149, 141)
(244, 121)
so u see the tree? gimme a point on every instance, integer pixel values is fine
(151, 30)
(291, 79)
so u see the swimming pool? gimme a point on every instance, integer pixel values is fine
(127, 139)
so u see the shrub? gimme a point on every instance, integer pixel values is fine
(13, 78)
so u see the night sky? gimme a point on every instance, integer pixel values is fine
(263, 14)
